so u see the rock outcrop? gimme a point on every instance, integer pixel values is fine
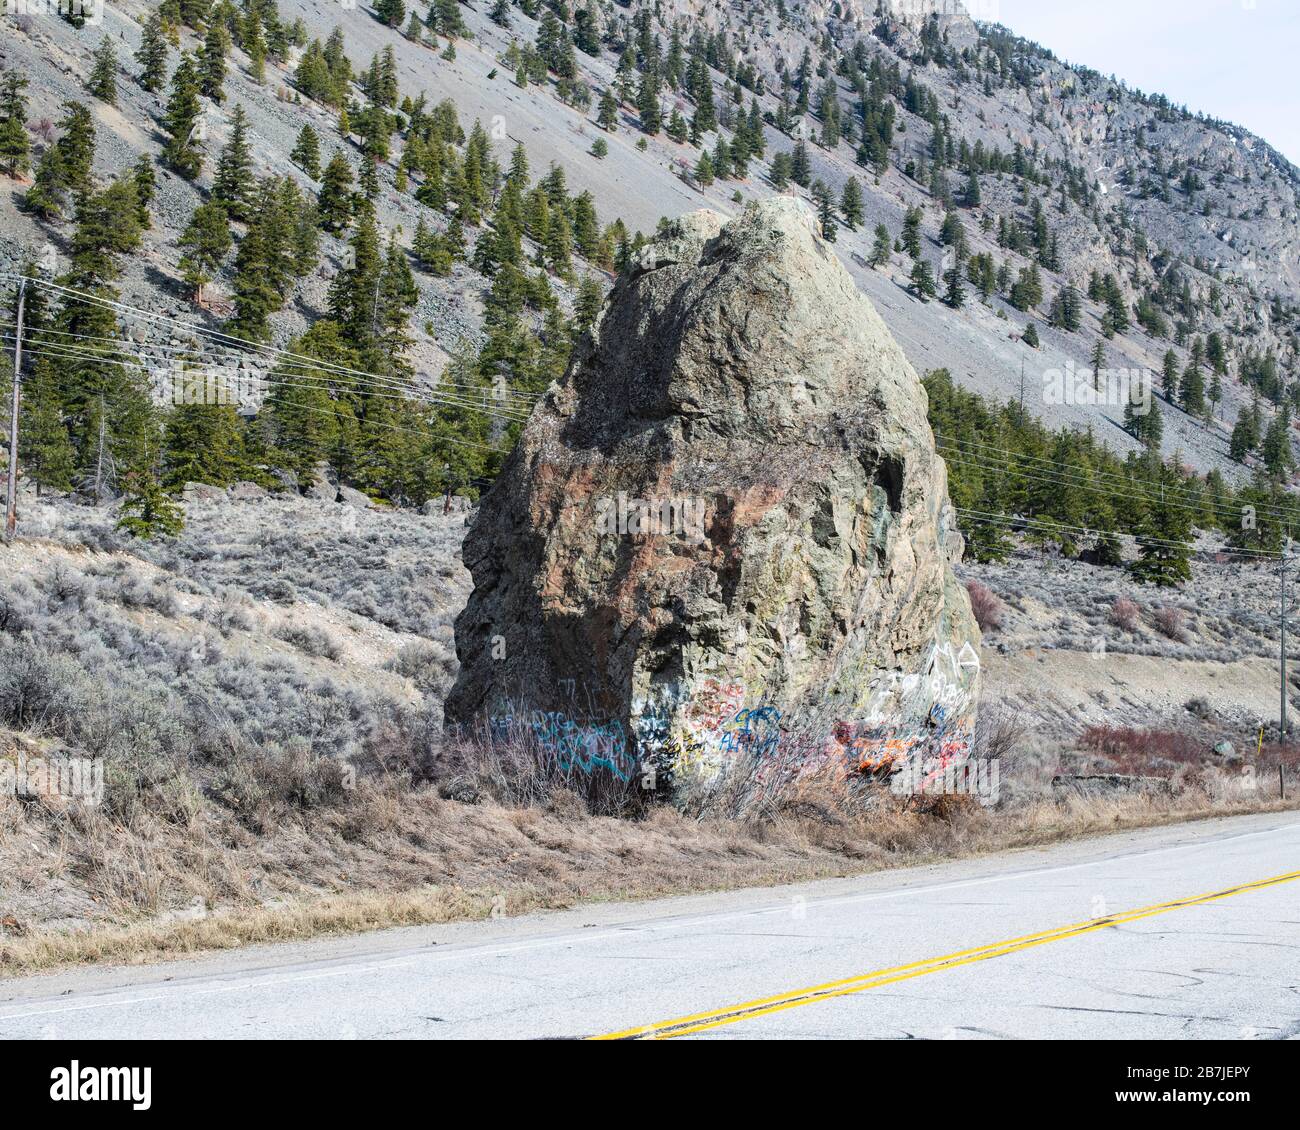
(720, 553)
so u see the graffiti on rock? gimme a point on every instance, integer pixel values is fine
(576, 745)
(913, 728)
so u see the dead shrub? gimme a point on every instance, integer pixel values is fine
(1000, 728)
(1124, 613)
(1169, 622)
(986, 606)
(1139, 752)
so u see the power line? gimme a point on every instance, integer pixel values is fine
(1220, 508)
(966, 445)
(1185, 496)
(1051, 525)
(216, 335)
(410, 431)
(56, 351)
(123, 349)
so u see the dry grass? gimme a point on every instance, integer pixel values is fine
(400, 857)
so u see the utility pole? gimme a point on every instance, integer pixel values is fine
(99, 457)
(1281, 725)
(11, 491)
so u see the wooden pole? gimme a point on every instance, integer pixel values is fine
(11, 491)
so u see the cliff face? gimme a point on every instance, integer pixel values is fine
(721, 551)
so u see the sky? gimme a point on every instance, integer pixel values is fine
(1238, 60)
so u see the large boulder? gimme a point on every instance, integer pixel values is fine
(721, 551)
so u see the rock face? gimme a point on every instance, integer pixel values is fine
(720, 554)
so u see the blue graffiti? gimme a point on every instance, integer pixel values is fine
(584, 746)
(758, 732)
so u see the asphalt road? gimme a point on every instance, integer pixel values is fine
(1184, 932)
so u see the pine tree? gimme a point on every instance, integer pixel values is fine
(306, 152)
(108, 409)
(449, 22)
(1066, 311)
(647, 104)
(15, 146)
(353, 293)
(304, 420)
(922, 280)
(912, 232)
(721, 158)
(825, 216)
(183, 151)
(75, 150)
(45, 448)
(1030, 336)
(1154, 426)
(334, 202)
(152, 54)
(49, 189)
(800, 165)
(779, 172)
(232, 184)
(1164, 537)
(704, 169)
(432, 251)
(147, 511)
(108, 227)
(212, 62)
(881, 247)
(206, 240)
(1142, 420)
(1191, 393)
(559, 242)
(500, 14)
(1169, 376)
(1245, 435)
(254, 44)
(1276, 450)
(263, 266)
(851, 203)
(1098, 362)
(145, 181)
(1028, 289)
(203, 441)
(607, 115)
(586, 307)
(103, 72)
(391, 12)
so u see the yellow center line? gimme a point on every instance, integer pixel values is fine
(702, 1021)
